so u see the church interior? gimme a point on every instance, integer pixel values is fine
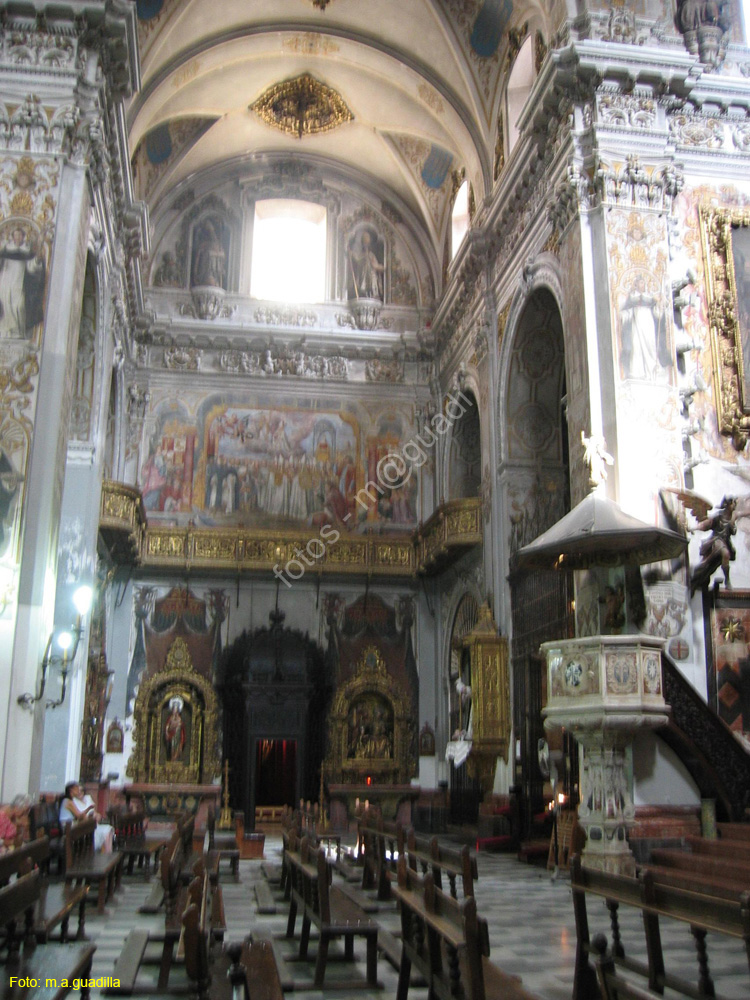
(374, 420)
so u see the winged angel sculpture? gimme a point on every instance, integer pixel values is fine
(717, 550)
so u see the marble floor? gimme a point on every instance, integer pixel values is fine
(530, 918)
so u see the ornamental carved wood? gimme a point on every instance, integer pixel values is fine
(370, 727)
(175, 731)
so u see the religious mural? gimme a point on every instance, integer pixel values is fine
(264, 466)
(28, 199)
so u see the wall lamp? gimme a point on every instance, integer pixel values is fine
(60, 651)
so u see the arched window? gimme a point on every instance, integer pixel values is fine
(460, 218)
(289, 251)
(520, 82)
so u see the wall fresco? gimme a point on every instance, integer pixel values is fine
(270, 466)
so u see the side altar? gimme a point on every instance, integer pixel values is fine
(175, 764)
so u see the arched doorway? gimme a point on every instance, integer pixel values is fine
(537, 494)
(274, 700)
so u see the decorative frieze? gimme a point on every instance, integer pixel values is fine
(284, 362)
(183, 359)
(696, 130)
(280, 316)
(616, 109)
(639, 186)
(384, 371)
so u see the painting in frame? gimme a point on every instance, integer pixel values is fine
(725, 235)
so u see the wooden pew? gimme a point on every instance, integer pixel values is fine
(201, 894)
(84, 866)
(378, 845)
(711, 866)
(448, 943)
(333, 913)
(47, 963)
(428, 854)
(56, 902)
(703, 913)
(734, 831)
(253, 973)
(224, 844)
(310, 824)
(132, 841)
(44, 820)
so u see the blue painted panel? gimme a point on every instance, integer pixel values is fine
(147, 9)
(436, 167)
(491, 22)
(159, 144)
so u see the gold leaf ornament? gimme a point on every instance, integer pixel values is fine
(302, 106)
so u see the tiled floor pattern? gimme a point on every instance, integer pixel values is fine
(530, 917)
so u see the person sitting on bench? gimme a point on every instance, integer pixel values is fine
(76, 805)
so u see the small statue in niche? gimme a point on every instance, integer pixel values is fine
(365, 268)
(209, 255)
(174, 731)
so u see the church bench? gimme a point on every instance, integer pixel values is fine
(732, 851)
(708, 885)
(199, 894)
(428, 854)
(44, 820)
(702, 912)
(334, 914)
(133, 843)
(47, 964)
(445, 940)
(378, 845)
(254, 974)
(734, 831)
(224, 846)
(702, 864)
(56, 902)
(84, 866)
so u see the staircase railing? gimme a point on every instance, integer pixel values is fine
(716, 760)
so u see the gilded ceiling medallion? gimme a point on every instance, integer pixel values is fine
(302, 106)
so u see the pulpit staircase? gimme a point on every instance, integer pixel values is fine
(714, 757)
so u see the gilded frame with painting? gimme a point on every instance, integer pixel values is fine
(725, 235)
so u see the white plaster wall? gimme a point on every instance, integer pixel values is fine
(659, 775)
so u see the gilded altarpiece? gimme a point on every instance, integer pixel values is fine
(370, 727)
(175, 732)
(725, 235)
(490, 704)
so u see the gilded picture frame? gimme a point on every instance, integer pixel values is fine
(725, 236)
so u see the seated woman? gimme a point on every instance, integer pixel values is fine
(76, 805)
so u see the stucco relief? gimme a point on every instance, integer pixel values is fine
(641, 303)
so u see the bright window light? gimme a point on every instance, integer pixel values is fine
(520, 82)
(460, 218)
(289, 251)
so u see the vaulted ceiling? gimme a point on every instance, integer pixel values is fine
(411, 89)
